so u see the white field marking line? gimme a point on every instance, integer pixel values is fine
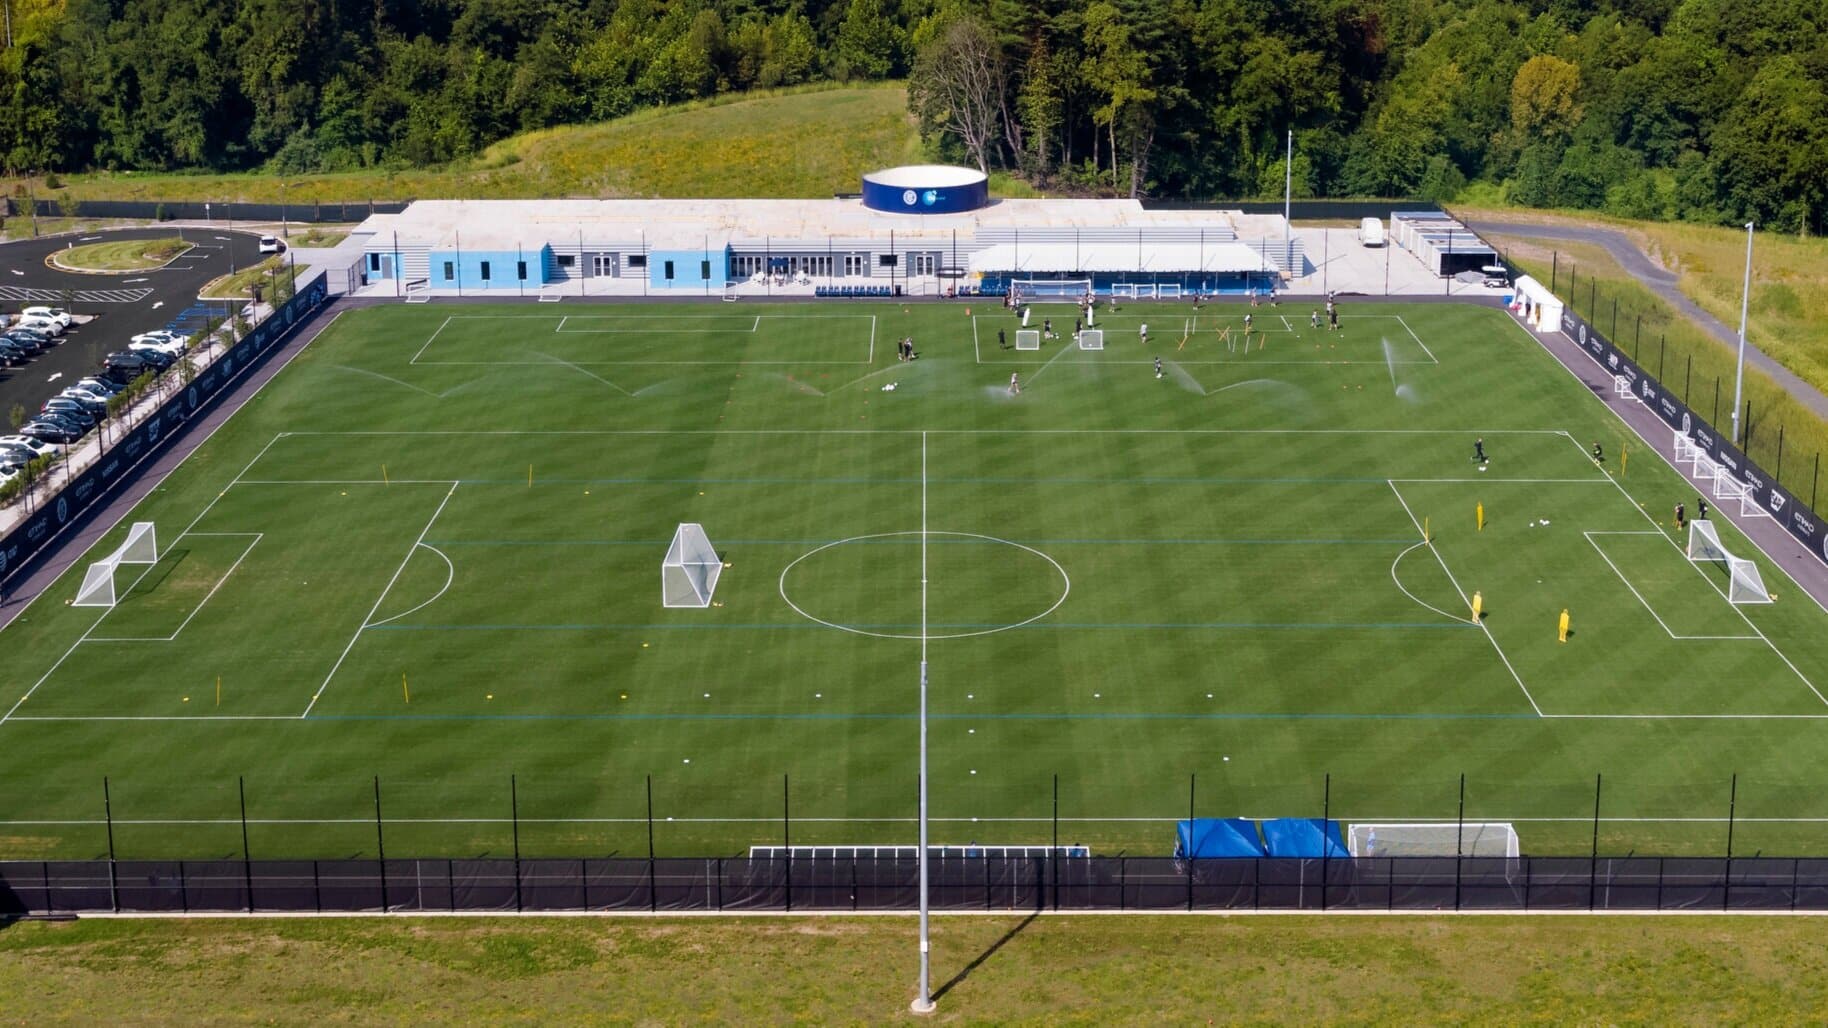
(1515, 481)
(1412, 335)
(866, 377)
(1131, 819)
(450, 575)
(429, 339)
(871, 359)
(4, 718)
(923, 550)
(976, 350)
(939, 431)
(1406, 592)
(619, 364)
(368, 619)
(1285, 323)
(1466, 599)
(206, 596)
(387, 378)
(1640, 596)
(582, 371)
(1710, 582)
(1064, 350)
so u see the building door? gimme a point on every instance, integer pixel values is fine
(923, 264)
(603, 265)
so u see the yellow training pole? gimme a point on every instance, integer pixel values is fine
(1624, 458)
(384, 478)
(1479, 515)
(1562, 629)
(218, 690)
(403, 690)
(1425, 535)
(529, 476)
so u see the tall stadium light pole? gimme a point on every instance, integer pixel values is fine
(1288, 192)
(1745, 304)
(923, 999)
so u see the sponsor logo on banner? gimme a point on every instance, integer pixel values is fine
(191, 397)
(1687, 423)
(85, 490)
(910, 197)
(63, 509)
(2, 563)
(37, 531)
(1612, 361)
(1776, 502)
(108, 469)
(152, 429)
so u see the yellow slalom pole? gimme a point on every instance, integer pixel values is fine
(1425, 536)
(1479, 515)
(218, 690)
(384, 478)
(529, 476)
(403, 690)
(1624, 458)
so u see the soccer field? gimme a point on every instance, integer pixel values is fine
(429, 554)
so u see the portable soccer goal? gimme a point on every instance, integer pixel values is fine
(1745, 585)
(1621, 389)
(1028, 339)
(141, 547)
(419, 290)
(1730, 489)
(1686, 450)
(1056, 288)
(1168, 290)
(689, 574)
(1091, 339)
(1449, 839)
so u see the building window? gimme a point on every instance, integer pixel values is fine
(637, 260)
(887, 260)
(567, 260)
(854, 266)
(374, 262)
(485, 271)
(704, 271)
(450, 271)
(520, 268)
(669, 271)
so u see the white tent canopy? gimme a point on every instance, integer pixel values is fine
(1544, 306)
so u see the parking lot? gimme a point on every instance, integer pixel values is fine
(118, 306)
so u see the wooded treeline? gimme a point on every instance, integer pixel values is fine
(1711, 110)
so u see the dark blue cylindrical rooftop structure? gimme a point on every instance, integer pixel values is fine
(926, 189)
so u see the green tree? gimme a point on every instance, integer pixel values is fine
(869, 43)
(1543, 97)
(1772, 148)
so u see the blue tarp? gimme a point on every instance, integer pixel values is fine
(1215, 837)
(1303, 837)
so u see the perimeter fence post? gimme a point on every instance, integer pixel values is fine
(1190, 785)
(1593, 862)
(1459, 840)
(380, 842)
(247, 860)
(514, 819)
(787, 839)
(1326, 834)
(114, 886)
(1732, 807)
(653, 902)
(1053, 856)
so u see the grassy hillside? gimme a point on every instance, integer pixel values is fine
(1055, 970)
(795, 143)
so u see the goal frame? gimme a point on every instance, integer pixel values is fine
(691, 568)
(1091, 339)
(1051, 288)
(140, 547)
(1028, 339)
(1468, 837)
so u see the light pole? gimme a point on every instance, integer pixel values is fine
(285, 226)
(1288, 191)
(1745, 304)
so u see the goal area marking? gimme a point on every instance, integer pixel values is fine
(252, 537)
(711, 325)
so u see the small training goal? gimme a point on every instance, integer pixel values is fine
(419, 290)
(141, 547)
(1091, 339)
(1744, 582)
(689, 574)
(1686, 450)
(1028, 339)
(1440, 839)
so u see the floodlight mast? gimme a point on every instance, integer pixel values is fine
(1745, 303)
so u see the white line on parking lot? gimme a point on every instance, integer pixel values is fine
(55, 377)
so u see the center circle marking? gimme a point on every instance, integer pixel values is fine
(1066, 587)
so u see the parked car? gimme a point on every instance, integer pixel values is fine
(169, 340)
(12, 353)
(50, 326)
(31, 342)
(271, 244)
(99, 385)
(139, 345)
(50, 432)
(64, 417)
(127, 360)
(88, 398)
(57, 314)
(65, 407)
(38, 447)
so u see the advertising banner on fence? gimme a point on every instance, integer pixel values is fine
(1773, 499)
(118, 464)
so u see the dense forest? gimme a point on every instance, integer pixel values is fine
(1710, 110)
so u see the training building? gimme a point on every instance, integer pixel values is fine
(924, 230)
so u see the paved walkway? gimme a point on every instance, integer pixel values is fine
(1661, 281)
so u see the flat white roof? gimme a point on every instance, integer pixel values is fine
(713, 223)
(1115, 257)
(925, 176)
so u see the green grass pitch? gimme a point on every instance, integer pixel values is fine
(429, 553)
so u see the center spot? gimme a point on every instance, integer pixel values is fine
(973, 584)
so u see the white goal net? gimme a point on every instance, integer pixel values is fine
(1744, 582)
(1028, 339)
(1704, 542)
(689, 574)
(1686, 450)
(1472, 839)
(1091, 339)
(141, 547)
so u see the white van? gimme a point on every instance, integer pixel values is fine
(57, 314)
(1371, 232)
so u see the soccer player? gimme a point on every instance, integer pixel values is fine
(1681, 517)
(1047, 328)
(1479, 450)
(1078, 326)
(1144, 332)
(1332, 318)
(1001, 340)
(1247, 320)
(1599, 456)
(1015, 383)
(1314, 318)
(1158, 367)
(1701, 508)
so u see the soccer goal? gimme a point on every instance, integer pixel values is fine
(689, 574)
(1686, 450)
(1745, 585)
(1091, 339)
(1028, 339)
(419, 290)
(141, 547)
(1471, 839)
(1055, 288)
(1168, 290)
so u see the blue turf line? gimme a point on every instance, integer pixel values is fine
(1240, 716)
(1296, 626)
(936, 538)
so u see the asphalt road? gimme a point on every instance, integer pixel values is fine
(124, 305)
(1661, 281)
